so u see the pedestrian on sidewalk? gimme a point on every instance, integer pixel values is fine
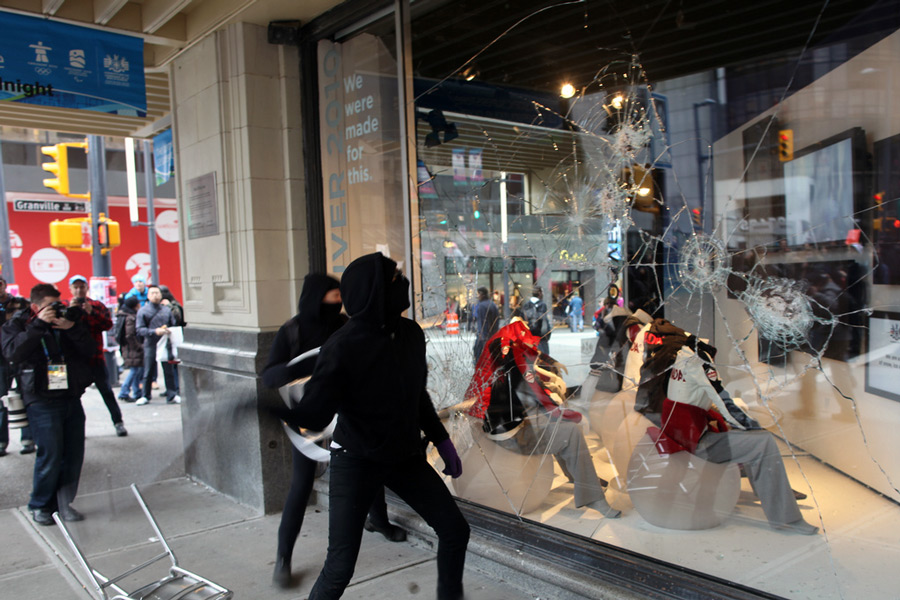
(9, 305)
(575, 311)
(49, 348)
(153, 322)
(97, 318)
(169, 301)
(372, 373)
(487, 322)
(318, 316)
(131, 347)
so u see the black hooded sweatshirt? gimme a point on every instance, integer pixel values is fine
(372, 371)
(309, 328)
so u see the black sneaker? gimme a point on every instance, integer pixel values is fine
(120, 429)
(391, 532)
(3, 451)
(42, 517)
(27, 448)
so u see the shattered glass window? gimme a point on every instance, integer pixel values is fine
(687, 221)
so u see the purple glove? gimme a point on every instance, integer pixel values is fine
(452, 464)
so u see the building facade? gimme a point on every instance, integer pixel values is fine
(732, 170)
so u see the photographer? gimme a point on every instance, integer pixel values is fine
(96, 317)
(48, 345)
(8, 307)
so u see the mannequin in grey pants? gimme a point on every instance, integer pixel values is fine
(563, 439)
(759, 453)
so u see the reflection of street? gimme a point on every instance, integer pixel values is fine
(450, 361)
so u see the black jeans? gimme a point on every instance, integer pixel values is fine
(302, 477)
(150, 374)
(100, 376)
(58, 427)
(354, 483)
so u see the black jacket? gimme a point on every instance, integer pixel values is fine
(22, 337)
(372, 372)
(307, 330)
(133, 349)
(149, 318)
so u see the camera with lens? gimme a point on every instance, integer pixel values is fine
(71, 313)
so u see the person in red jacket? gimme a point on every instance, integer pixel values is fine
(98, 320)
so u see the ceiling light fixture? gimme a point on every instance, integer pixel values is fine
(567, 90)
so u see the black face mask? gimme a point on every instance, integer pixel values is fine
(329, 312)
(397, 297)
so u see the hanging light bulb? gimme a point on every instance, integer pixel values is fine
(618, 101)
(567, 90)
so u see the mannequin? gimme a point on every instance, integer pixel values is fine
(519, 397)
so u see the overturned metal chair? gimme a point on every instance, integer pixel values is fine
(179, 584)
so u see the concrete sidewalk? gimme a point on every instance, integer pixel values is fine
(217, 538)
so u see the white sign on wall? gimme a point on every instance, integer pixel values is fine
(167, 226)
(49, 265)
(883, 366)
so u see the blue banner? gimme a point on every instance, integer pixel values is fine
(55, 64)
(163, 157)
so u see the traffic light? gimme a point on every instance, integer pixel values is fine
(697, 216)
(786, 145)
(75, 234)
(68, 234)
(60, 168)
(108, 233)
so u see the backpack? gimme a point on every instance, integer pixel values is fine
(534, 317)
(119, 330)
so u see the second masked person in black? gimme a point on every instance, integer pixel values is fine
(372, 373)
(318, 316)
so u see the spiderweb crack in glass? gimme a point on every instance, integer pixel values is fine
(703, 263)
(780, 310)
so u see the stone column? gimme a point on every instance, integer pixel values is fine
(236, 110)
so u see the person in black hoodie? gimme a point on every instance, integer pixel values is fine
(372, 374)
(49, 353)
(318, 316)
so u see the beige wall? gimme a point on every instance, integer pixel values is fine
(863, 92)
(236, 110)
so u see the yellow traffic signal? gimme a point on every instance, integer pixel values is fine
(108, 233)
(786, 145)
(60, 168)
(69, 234)
(75, 234)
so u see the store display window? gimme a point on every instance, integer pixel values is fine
(723, 203)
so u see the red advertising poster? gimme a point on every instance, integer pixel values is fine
(35, 261)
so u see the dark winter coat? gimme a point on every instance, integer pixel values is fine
(25, 338)
(133, 350)
(372, 371)
(149, 318)
(309, 329)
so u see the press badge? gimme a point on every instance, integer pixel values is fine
(57, 377)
